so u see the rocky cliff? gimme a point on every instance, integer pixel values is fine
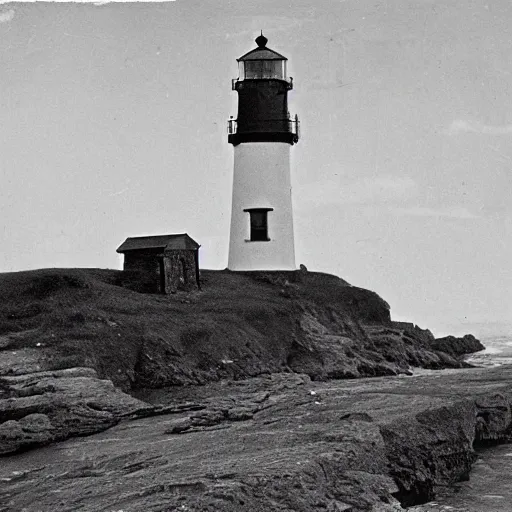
(240, 325)
(272, 431)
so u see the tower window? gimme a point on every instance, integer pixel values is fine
(259, 224)
(264, 69)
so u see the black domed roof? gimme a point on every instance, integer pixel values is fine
(262, 52)
(261, 40)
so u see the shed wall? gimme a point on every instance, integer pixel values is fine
(180, 271)
(148, 266)
(178, 267)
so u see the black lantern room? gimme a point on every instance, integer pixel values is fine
(262, 87)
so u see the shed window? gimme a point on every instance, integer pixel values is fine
(259, 224)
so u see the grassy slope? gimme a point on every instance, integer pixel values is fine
(239, 324)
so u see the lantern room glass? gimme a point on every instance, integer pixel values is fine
(262, 69)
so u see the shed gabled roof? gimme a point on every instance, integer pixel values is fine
(181, 241)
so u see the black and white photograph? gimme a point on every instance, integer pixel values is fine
(256, 256)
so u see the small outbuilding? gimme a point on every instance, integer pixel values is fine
(168, 263)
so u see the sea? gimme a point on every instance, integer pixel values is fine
(489, 488)
(498, 351)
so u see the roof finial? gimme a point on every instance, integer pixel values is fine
(261, 40)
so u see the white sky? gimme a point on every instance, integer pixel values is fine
(113, 124)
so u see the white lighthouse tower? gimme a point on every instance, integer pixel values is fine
(261, 236)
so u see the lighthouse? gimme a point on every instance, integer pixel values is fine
(261, 234)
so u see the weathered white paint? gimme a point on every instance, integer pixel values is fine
(262, 180)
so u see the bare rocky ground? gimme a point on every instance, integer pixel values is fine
(279, 442)
(42, 407)
(224, 399)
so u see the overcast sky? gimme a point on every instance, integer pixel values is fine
(113, 124)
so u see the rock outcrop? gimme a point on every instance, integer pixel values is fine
(242, 324)
(38, 408)
(273, 443)
(266, 434)
(456, 347)
(61, 329)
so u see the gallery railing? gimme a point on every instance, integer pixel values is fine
(290, 125)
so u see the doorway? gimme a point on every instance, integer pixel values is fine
(183, 274)
(161, 275)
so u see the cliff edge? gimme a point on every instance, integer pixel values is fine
(279, 427)
(241, 324)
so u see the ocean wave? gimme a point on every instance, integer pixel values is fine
(498, 352)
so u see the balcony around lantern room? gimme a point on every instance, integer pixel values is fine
(262, 70)
(278, 130)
